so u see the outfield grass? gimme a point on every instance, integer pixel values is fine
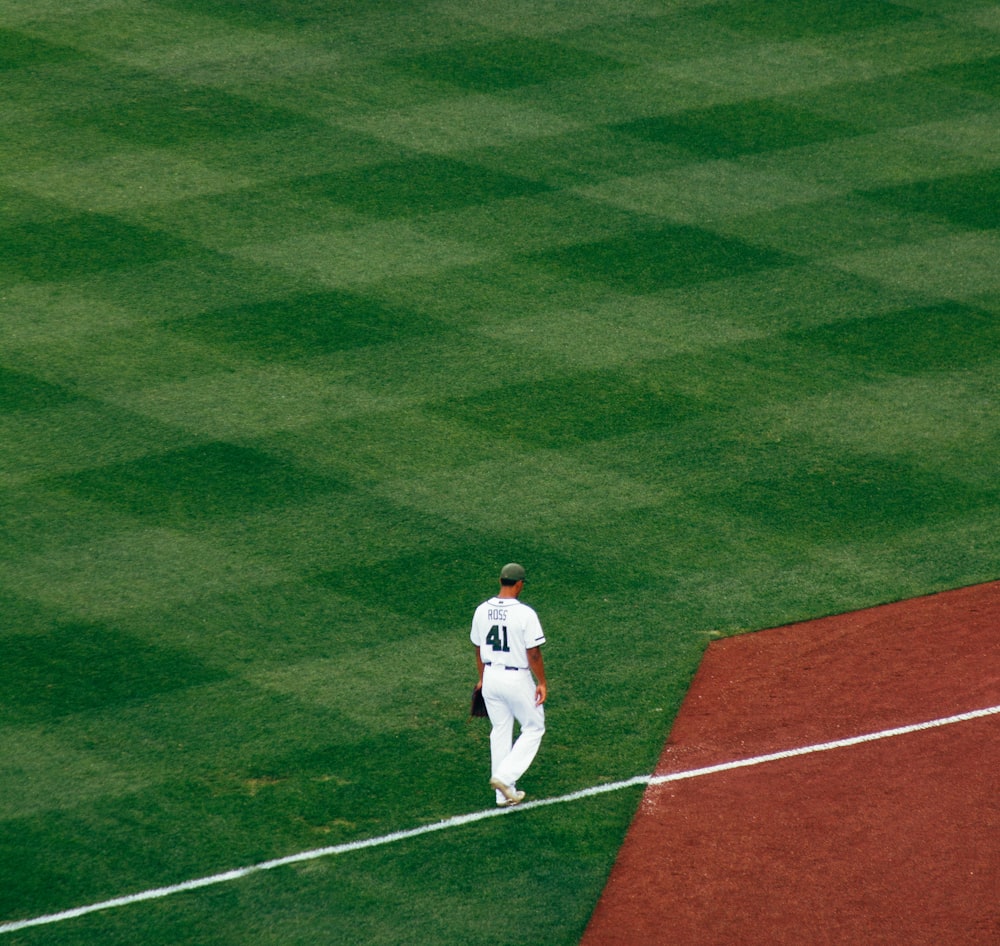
(315, 314)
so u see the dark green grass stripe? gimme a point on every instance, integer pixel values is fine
(968, 200)
(447, 559)
(975, 75)
(422, 184)
(307, 325)
(67, 245)
(565, 411)
(747, 127)
(666, 258)
(842, 495)
(21, 392)
(21, 50)
(199, 482)
(83, 667)
(508, 63)
(922, 340)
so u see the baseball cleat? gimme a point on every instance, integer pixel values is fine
(513, 796)
(511, 804)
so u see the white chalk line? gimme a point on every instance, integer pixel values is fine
(460, 820)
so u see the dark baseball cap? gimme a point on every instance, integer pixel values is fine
(512, 572)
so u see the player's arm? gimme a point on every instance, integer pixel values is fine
(479, 665)
(537, 666)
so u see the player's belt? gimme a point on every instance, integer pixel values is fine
(489, 663)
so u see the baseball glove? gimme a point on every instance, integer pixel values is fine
(478, 704)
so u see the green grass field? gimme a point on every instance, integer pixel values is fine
(315, 314)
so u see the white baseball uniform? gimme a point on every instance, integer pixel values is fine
(504, 629)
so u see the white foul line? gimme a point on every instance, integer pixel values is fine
(459, 820)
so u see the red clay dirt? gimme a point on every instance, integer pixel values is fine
(891, 842)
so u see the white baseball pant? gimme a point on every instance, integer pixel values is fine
(510, 695)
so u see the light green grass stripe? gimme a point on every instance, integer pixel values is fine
(60, 774)
(162, 565)
(126, 180)
(963, 266)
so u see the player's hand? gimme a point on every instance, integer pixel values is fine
(541, 691)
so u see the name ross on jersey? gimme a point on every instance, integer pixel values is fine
(498, 614)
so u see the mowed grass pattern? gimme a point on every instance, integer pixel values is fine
(313, 315)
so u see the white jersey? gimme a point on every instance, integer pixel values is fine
(504, 630)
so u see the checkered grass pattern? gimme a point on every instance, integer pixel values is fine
(315, 314)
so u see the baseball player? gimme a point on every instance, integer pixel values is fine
(508, 638)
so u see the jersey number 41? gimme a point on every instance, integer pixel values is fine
(497, 638)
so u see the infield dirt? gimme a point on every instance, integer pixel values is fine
(895, 841)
